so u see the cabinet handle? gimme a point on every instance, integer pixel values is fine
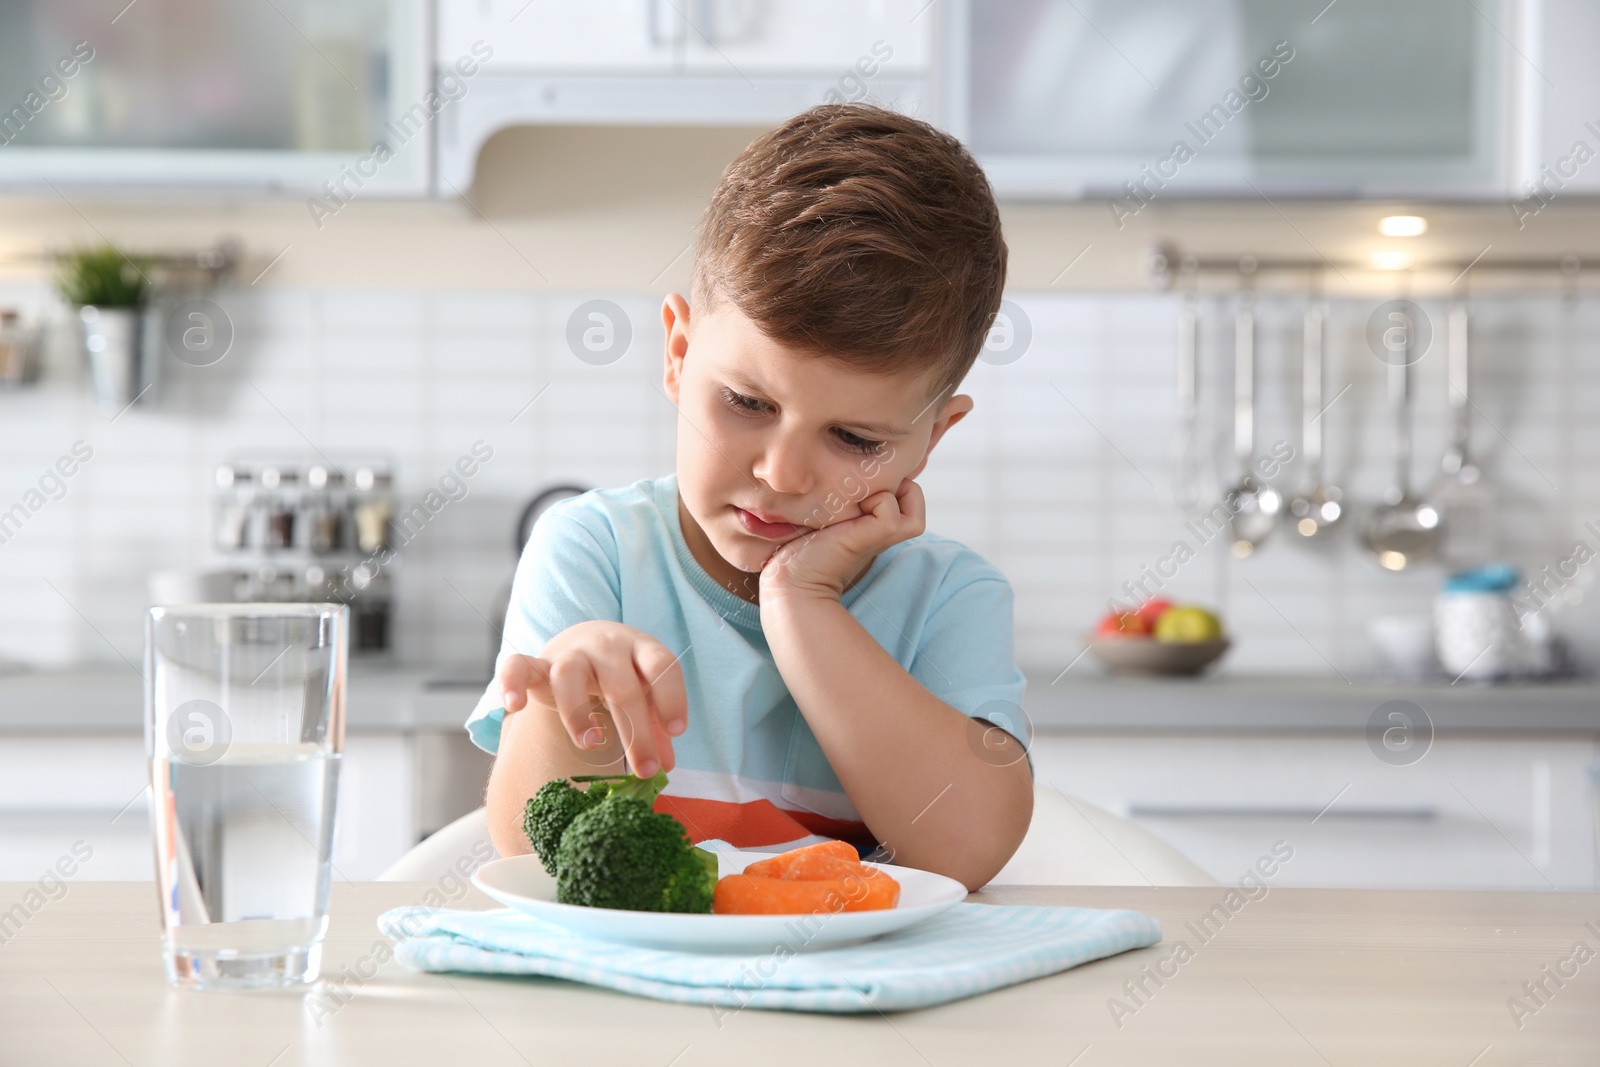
(1222, 811)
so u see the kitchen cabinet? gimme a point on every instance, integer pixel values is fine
(673, 62)
(72, 767)
(619, 36)
(1476, 811)
(59, 790)
(1160, 99)
(826, 36)
(1221, 766)
(1567, 118)
(255, 97)
(1059, 99)
(655, 37)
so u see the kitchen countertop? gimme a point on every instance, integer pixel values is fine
(379, 698)
(109, 698)
(1300, 703)
(1304, 976)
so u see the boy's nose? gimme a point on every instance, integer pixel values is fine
(785, 468)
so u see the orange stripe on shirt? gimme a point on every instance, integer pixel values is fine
(758, 823)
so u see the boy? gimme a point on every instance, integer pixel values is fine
(770, 623)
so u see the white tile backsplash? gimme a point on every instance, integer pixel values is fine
(1062, 475)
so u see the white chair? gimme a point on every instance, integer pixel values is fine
(1069, 842)
(1072, 842)
(457, 849)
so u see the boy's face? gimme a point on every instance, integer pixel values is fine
(784, 434)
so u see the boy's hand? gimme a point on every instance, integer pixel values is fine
(823, 562)
(636, 676)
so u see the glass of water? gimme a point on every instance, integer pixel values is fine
(244, 726)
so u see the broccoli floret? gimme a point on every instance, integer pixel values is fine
(551, 810)
(621, 854)
(608, 848)
(694, 879)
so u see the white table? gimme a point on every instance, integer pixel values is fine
(1302, 976)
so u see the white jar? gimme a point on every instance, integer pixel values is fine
(1477, 634)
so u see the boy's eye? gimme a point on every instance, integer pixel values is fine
(740, 402)
(749, 405)
(857, 443)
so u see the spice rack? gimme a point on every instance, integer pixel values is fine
(311, 531)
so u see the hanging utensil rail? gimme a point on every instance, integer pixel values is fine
(1167, 262)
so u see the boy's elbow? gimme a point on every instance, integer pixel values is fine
(507, 836)
(1010, 826)
(504, 813)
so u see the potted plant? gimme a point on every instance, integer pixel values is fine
(109, 290)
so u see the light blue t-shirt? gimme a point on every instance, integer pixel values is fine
(748, 768)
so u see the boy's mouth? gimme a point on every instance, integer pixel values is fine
(769, 531)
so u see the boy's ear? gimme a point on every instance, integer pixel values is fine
(955, 409)
(675, 323)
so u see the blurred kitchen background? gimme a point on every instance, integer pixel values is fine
(333, 336)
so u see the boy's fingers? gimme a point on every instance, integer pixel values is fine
(659, 670)
(913, 506)
(525, 677)
(513, 683)
(669, 759)
(537, 681)
(623, 694)
(642, 689)
(572, 686)
(662, 738)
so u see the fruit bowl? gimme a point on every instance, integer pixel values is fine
(1146, 655)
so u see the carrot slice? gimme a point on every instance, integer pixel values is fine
(830, 859)
(746, 894)
(816, 869)
(820, 878)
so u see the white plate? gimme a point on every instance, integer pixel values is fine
(521, 882)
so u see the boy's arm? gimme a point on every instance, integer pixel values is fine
(910, 763)
(565, 577)
(906, 758)
(535, 748)
(597, 690)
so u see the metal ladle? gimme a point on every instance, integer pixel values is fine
(1461, 494)
(1319, 508)
(1403, 530)
(1254, 505)
(1194, 476)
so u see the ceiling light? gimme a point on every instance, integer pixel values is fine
(1391, 260)
(1402, 225)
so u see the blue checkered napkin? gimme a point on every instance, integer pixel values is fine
(969, 949)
